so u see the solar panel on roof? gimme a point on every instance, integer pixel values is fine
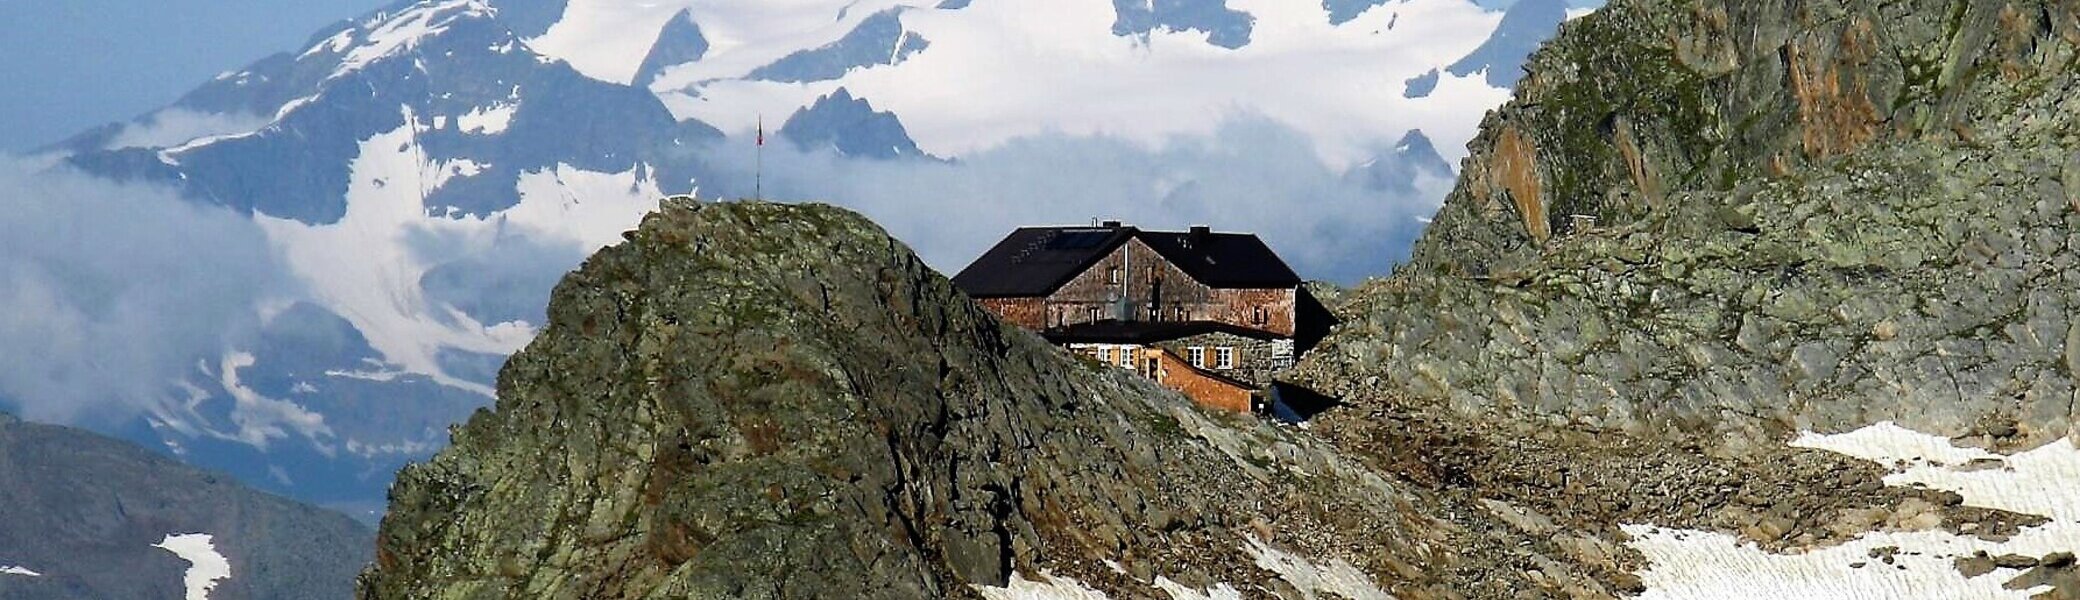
(1078, 240)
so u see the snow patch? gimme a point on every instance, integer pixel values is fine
(260, 418)
(387, 35)
(22, 571)
(1339, 577)
(1049, 587)
(205, 566)
(2044, 481)
(492, 120)
(1179, 591)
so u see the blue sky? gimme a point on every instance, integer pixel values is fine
(67, 65)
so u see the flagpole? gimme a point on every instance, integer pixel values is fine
(759, 168)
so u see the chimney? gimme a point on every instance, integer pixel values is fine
(1198, 236)
(1112, 224)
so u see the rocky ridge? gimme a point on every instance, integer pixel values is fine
(83, 513)
(1778, 217)
(1786, 216)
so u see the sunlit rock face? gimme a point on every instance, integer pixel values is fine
(1706, 239)
(1753, 220)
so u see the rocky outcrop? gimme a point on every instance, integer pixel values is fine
(754, 400)
(1744, 219)
(1701, 227)
(84, 514)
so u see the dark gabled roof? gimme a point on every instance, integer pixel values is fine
(1223, 260)
(1036, 261)
(1147, 332)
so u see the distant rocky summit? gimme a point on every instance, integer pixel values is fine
(90, 518)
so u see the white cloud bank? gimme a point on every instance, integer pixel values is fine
(115, 291)
(1254, 174)
(176, 126)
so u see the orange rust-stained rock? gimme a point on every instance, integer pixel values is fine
(1516, 171)
(1643, 175)
(1834, 105)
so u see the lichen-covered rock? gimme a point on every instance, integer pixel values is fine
(1752, 218)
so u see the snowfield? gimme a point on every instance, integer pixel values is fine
(205, 566)
(22, 571)
(2044, 481)
(999, 71)
(1337, 579)
(365, 269)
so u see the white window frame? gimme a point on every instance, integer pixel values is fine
(1105, 354)
(1196, 355)
(1224, 358)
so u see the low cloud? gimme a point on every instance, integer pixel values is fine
(174, 126)
(1250, 175)
(114, 292)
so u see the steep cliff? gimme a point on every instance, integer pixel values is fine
(1752, 218)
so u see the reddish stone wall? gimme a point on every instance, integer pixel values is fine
(1029, 313)
(1207, 390)
(1239, 307)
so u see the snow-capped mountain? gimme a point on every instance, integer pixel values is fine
(427, 172)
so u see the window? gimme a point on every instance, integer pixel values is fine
(1259, 316)
(1105, 355)
(1224, 358)
(1094, 314)
(1148, 367)
(1282, 354)
(1197, 356)
(1112, 275)
(1180, 314)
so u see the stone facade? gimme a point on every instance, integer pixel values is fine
(1250, 360)
(1030, 313)
(1136, 284)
